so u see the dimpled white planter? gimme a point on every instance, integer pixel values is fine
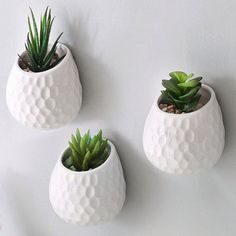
(47, 99)
(88, 197)
(185, 143)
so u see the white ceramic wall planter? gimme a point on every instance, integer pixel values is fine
(88, 197)
(185, 143)
(47, 99)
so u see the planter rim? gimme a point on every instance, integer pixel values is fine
(107, 161)
(31, 73)
(204, 107)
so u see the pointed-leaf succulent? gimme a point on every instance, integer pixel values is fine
(39, 56)
(181, 90)
(86, 152)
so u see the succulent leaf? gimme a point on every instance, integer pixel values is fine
(190, 94)
(179, 76)
(171, 85)
(78, 135)
(182, 90)
(86, 160)
(189, 84)
(199, 78)
(86, 152)
(192, 104)
(39, 58)
(189, 76)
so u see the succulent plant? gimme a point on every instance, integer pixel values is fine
(86, 152)
(181, 90)
(39, 57)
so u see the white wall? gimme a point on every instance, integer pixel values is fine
(123, 49)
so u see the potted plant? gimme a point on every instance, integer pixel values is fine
(87, 185)
(43, 89)
(184, 131)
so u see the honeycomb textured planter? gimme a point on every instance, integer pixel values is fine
(88, 197)
(47, 99)
(185, 143)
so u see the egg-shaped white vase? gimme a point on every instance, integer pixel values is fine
(47, 99)
(88, 197)
(185, 143)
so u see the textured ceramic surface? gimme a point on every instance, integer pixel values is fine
(89, 197)
(46, 99)
(185, 143)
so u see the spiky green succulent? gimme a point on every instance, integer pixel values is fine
(86, 152)
(181, 90)
(39, 57)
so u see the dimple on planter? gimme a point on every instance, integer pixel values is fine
(185, 143)
(47, 99)
(88, 197)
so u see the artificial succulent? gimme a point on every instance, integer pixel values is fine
(38, 55)
(181, 90)
(86, 152)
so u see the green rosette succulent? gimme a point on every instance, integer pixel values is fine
(181, 90)
(86, 152)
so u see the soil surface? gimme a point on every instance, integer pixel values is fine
(170, 108)
(27, 69)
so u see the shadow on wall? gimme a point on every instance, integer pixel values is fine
(98, 85)
(137, 193)
(226, 96)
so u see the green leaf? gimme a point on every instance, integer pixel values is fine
(37, 42)
(31, 38)
(102, 158)
(178, 103)
(190, 94)
(103, 146)
(43, 26)
(199, 78)
(35, 31)
(189, 84)
(180, 76)
(76, 160)
(100, 135)
(83, 145)
(96, 148)
(97, 163)
(44, 40)
(50, 55)
(189, 76)
(78, 135)
(73, 147)
(32, 62)
(84, 158)
(172, 86)
(190, 106)
(165, 98)
(75, 143)
(87, 158)
(93, 142)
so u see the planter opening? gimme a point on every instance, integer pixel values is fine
(58, 56)
(67, 162)
(170, 108)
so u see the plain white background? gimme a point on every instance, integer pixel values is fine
(123, 49)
